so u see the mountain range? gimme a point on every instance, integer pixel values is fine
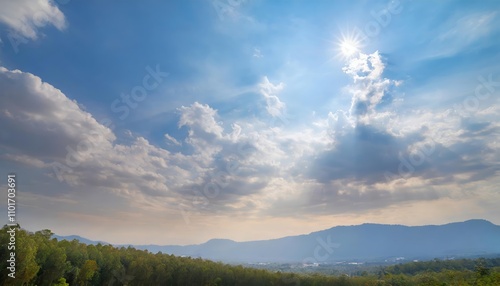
(366, 242)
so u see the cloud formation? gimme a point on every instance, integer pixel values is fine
(368, 158)
(25, 17)
(31, 109)
(248, 165)
(275, 107)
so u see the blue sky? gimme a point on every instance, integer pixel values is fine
(248, 119)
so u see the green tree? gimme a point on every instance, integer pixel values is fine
(87, 271)
(76, 255)
(25, 253)
(61, 282)
(50, 257)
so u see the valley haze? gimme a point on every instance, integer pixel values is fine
(366, 242)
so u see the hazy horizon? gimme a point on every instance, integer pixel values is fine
(269, 238)
(176, 122)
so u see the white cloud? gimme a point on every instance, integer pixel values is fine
(275, 107)
(201, 119)
(467, 29)
(369, 87)
(461, 32)
(250, 168)
(26, 16)
(257, 53)
(25, 160)
(30, 108)
(172, 140)
(365, 67)
(42, 128)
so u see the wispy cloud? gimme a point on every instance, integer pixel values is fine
(172, 140)
(461, 32)
(25, 17)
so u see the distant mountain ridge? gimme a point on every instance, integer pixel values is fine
(79, 238)
(365, 242)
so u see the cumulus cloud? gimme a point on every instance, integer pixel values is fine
(30, 108)
(348, 161)
(370, 87)
(42, 128)
(26, 16)
(377, 157)
(275, 107)
(362, 149)
(201, 123)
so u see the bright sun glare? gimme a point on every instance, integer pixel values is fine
(348, 47)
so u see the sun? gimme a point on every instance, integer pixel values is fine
(346, 45)
(349, 47)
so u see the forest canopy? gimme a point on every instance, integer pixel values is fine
(43, 260)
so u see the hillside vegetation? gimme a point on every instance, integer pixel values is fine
(43, 260)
